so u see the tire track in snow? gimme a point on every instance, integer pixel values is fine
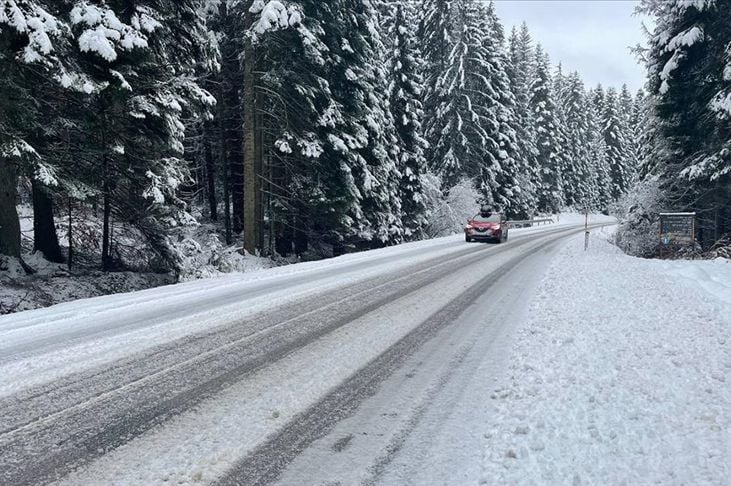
(72, 436)
(43, 448)
(266, 464)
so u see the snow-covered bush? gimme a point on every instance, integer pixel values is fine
(639, 223)
(722, 248)
(448, 213)
(203, 255)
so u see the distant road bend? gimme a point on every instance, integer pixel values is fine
(367, 369)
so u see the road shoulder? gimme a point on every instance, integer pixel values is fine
(619, 375)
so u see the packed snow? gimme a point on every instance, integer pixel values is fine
(620, 375)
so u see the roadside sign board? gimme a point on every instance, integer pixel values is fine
(678, 225)
(677, 229)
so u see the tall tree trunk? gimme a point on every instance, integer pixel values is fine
(227, 209)
(211, 180)
(45, 238)
(251, 177)
(283, 239)
(236, 170)
(259, 172)
(230, 113)
(106, 227)
(70, 260)
(106, 194)
(301, 240)
(9, 220)
(223, 160)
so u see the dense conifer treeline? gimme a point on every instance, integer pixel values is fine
(683, 137)
(306, 126)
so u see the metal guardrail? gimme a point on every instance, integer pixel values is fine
(530, 222)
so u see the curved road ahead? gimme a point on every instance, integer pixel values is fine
(368, 369)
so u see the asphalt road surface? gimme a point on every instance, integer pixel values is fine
(373, 370)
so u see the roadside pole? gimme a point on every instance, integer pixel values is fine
(587, 233)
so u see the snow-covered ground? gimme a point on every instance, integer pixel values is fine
(711, 276)
(201, 252)
(620, 375)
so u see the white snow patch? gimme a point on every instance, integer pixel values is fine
(711, 276)
(620, 375)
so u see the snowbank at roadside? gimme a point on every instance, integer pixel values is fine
(711, 276)
(53, 284)
(621, 375)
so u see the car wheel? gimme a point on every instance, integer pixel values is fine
(468, 239)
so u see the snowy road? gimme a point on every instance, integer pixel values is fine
(360, 369)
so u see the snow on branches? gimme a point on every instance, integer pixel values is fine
(34, 22)
(104, 34)
(274, 15)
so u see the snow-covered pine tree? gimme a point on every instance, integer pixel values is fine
(689, 63)
(405, 92)
(313, 191)
(562, 137)
(33, 40)
(597, 165)
(359, 83)
(579, 186)
(224, 134)
(652, 147)
(145, 62)
(453, 127)
(520, 69)
(501, 173)
(336, 175)
(629, 125)
(618, 151)
(434, 34)
(639, 112)
(469, 125)
(543, 109)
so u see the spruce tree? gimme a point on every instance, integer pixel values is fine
(520, 69)
(629, 126)
(500, 181)
(563, 137)
(455, 129)
(358, 80)
(578, 183)
(470, 127)
(405, 91)
(32, 39)
(543, 108)
(598, 168)
(618, 152)
(145, 62)
(689, 65)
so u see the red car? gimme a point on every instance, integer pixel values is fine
(487, 227)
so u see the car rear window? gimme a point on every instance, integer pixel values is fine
(493, 218)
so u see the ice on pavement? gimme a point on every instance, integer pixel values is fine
(620, 375)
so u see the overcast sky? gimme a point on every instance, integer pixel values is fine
(589, 36)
